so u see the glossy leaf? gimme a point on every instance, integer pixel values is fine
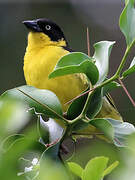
(76, 107)
(109, 87)
(109, 169)
(43, 130)
(76, 62)
(114, 130)
(51, 153)
(95, 103)
(42, 101)
(95, 168)
(127, 21)
(121, 131)
(50, 131)
(75, 169)
(130, 70)
(101, 55)
(104, 126)
(79, 126)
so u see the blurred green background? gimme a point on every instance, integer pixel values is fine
(101, 16)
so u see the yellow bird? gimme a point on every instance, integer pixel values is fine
(46, 45)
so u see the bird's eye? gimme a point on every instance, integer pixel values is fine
(48, 27)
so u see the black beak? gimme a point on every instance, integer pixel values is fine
(32, 25)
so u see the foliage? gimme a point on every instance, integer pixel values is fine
(94, 170)
(50, 126)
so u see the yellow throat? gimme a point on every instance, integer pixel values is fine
(40, 58)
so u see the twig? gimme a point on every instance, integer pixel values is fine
(88, 47)
(86, 92)
(87, 134)
(128, 50)
(88, 41)
(114, 77)
(126, 91)
(118, 141)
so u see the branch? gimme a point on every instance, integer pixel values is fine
(88, 41)
(114, 77)
(124, 59)
(126, 91)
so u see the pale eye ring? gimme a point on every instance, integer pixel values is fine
(48, 27)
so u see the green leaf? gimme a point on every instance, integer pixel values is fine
(76, 62)
(76, 107)
(121, 131)
(79, 125)
(130, 70)
(20, 147)
(104, 126)
(51, 152)
(42, 101)
(109, 87)
(75, 168)
(94, 106)
(109, 169)
(95, 168)
(52, 166)
(127, 21)
(101, 55)
(13, 116)
(114, 130)
(50, 131)
(43, 130)
(95, 103)
(9, 141)
(126, 2)
(55, 133)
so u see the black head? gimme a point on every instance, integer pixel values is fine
(47, 27)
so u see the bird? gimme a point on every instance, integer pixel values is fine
(46, 44)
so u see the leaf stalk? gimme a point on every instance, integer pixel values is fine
(128, 49)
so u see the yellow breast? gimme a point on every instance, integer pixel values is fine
(39, 62)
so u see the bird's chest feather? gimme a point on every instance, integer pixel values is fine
(39, 63)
